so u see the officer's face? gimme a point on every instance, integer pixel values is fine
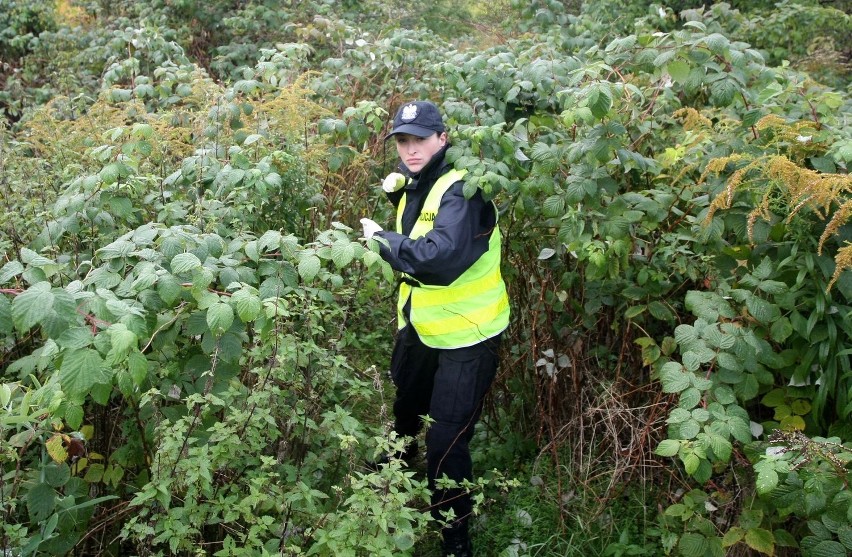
(415, 151)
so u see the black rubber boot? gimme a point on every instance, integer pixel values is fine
(457, 543)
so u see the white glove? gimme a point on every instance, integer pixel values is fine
(393, 182)
(370, 228)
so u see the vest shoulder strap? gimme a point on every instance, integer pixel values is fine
(433, 199)
(444, 183)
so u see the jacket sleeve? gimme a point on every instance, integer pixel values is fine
(395, 197)
(458, 238)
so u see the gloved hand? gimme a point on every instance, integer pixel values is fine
(393, 182)
(370, 227)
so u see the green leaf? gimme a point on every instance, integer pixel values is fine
(370, 258)
(169, 288)
(792, 422)
(6, 323)
(119, 248)
(660, 311)
(844, 534)
(692, 544)
(664, 58)
(142, 131)
(722, 448)
(273, 179)
(103, 278)
(828, 548)
(673, 378)
(689, 429)
(760, 540)
(110, 173)
(800, 407)
(31, 306)
(342, 253)
(74, 412)
(76, 337)
(740, 430)
(48, 266)
(668, 447)
(94, 473)
(781, 330)
(668, 346)
(772, 286)
(700, 383)
(30, 257)
(679, 70)
(57, 474)
(678, 415)
(124, 382)
(541, 152)
(764, 270)
(80, 370)
(247, 303)
(748, 388)
(716, 42)
(600, 102)
(230, 347)
(634, 311)
(146, 277)
(122, 338)
(403, 541)
(220, 317)
(553, 206)
(137, 364)
(10, 270)
(733, 536)
(816, 502)
(763, 311)
(685, 334)
(767, 480)
(715, 338)
(41, 501)
(774, 398)
(184, 263)
(691, 361)
(251, 251)
(729, 361)
(689, 398)
(678, 509)
(309, 266)
(724, 395)
(772, 90)
(620, 44)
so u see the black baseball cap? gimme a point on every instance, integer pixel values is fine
(420, 118)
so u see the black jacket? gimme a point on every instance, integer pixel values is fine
(460, 234)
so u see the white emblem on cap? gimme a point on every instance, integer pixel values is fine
(409, 112)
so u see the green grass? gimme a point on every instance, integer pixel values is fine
(536, 519)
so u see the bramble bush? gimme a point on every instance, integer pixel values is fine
(193, 335)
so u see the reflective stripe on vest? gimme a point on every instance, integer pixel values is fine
(474, 307)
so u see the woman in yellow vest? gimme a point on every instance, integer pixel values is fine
(451, 311)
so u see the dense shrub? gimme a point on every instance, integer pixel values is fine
(193, 337)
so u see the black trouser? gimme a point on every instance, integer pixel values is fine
(449, 386)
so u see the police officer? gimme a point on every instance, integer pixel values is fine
(451, 310)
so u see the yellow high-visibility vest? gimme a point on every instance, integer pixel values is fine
(474, 307)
